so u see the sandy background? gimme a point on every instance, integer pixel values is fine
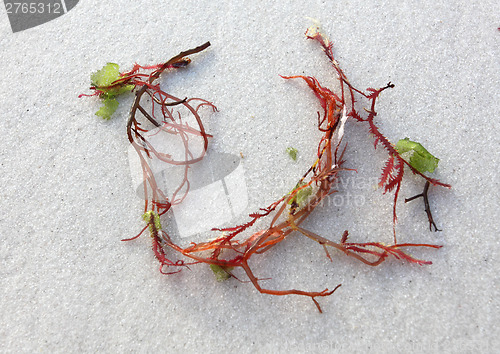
(67, 282)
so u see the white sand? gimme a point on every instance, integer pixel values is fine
(67, 282)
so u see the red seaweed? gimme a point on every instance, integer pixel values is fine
(235, 246)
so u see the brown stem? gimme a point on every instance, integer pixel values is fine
(425, 196)
(153, 77)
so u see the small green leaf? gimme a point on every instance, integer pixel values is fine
(104, 77)
(221, 273)
(118, 90)
(302, 195)
(156, 219)
(417, 156)
(292, 152)
(109, 107)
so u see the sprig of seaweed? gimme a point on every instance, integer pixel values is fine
(236, 246)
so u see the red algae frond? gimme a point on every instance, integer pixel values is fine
(235, 246)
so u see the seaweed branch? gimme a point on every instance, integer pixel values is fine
(155, 111)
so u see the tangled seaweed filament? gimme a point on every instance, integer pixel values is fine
(234, 247)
